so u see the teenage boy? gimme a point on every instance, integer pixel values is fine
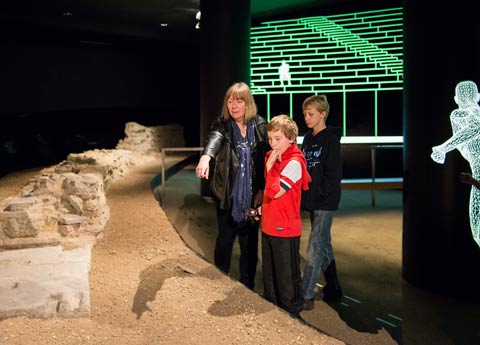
(321, 147)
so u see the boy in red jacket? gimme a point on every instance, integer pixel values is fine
(285, 177)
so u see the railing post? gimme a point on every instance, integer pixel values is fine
(373, 154)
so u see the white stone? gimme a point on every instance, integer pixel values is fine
(45, 282)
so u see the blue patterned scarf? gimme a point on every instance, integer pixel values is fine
(242, 189)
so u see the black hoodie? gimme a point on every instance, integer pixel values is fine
(324, 163)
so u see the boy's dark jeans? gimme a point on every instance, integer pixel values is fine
(281, 272)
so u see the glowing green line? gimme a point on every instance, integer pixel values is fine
(344, 114)
(386, 322)
(395, 317)
(376, 113)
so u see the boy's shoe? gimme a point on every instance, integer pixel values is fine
(332, 290)
(308, 304)
(331, 293)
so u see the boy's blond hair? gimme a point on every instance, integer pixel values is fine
(320, 103)
(285, 124)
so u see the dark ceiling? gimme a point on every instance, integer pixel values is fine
(166, 20)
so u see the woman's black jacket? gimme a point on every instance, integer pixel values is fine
(224, 165)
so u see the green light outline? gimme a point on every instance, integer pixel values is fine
(342, 53)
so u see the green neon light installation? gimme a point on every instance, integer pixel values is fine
(376, 113)
(365, 140)
(344, 53)
(466, 139)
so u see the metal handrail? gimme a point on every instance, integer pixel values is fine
(373, 152)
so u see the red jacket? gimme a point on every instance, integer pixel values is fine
(281, 217)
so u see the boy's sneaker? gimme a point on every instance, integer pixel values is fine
(308, 304)
(332, 294)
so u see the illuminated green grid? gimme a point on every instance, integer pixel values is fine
(353, 52)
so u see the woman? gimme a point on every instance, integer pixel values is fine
(236, 147)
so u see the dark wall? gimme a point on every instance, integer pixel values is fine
(62, 92)
(438, 243)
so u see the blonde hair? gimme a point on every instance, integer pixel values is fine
(320, 103)
(285, 124)
(240, 91)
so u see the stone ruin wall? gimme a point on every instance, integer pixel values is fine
(145, 140)
(48, 229)
(68, 200)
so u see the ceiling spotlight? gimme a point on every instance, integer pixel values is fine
(198, 16)
(164, 24)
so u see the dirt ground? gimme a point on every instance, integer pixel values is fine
(148, 287)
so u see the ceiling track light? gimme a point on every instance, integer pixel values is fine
(198, 16)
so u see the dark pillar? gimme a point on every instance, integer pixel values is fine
(441, 48)
(225, 55)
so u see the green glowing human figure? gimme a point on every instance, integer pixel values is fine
(465, 123)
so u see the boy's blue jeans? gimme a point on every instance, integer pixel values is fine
(319, 250)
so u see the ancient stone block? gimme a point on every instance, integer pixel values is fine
(20, 223)
(67, 219)
(74, 204)
(70, 230)
(20, 204)
(42, 240)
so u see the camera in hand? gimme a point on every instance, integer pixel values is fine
(251, 213)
